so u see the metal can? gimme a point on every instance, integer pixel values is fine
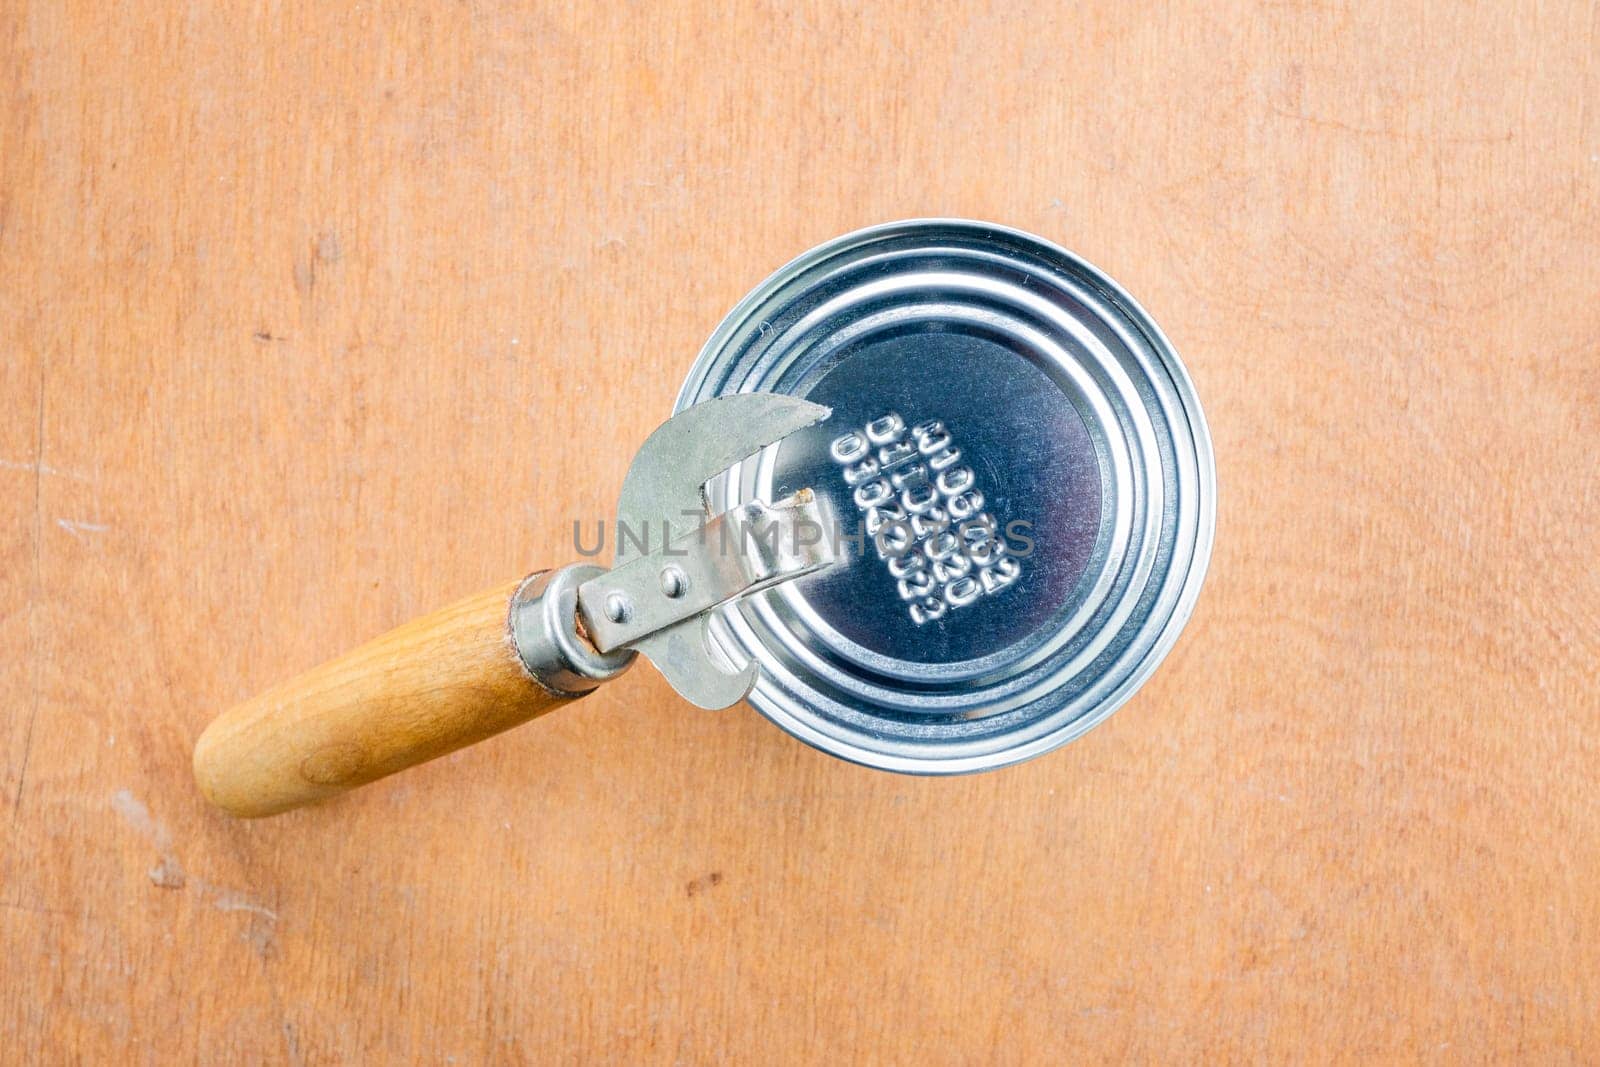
(1020, 476)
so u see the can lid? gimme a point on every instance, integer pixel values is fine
(1021, 475)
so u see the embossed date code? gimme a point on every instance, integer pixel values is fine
(924, 511)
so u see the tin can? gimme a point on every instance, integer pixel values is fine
(1021, 481)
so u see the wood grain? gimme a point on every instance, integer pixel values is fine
(316, 316)
(424, 689)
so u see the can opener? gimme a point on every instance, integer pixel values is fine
(493, 661)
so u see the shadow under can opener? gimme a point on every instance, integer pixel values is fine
(493, 661)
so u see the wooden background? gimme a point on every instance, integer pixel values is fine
(316, 316)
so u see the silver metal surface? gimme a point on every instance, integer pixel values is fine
(664, 489)
(544, 614)
(753, 547)
(1035, 450)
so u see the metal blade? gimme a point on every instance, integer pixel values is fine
(666, 484)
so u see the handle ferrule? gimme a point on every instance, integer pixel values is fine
(544, 625)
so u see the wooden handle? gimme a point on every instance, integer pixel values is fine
(428, 688)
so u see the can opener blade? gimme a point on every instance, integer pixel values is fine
(660, 603)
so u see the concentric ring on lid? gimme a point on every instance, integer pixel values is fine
(1022, 475)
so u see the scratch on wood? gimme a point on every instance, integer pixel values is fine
(41, 468)
(33, 600)
(77, 528)
(228, 901)
(168, 873)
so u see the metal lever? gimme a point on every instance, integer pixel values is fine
(753, 547)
